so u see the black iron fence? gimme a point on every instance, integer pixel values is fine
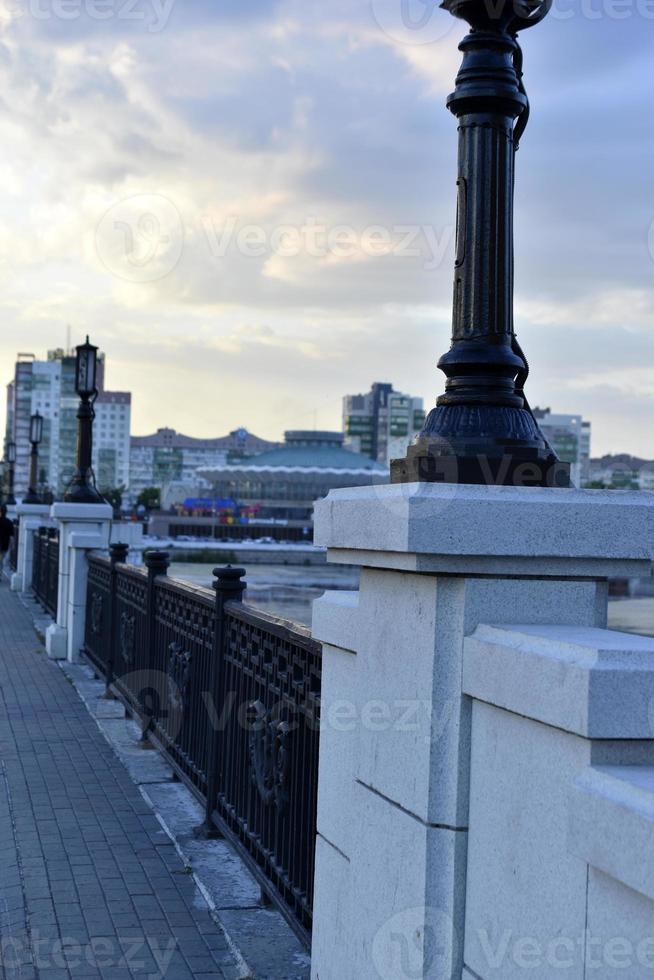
(13, 548)
(45, 568)
(231, 695)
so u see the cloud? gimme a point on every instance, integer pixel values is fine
(283, 113)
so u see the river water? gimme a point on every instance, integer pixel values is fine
(289, 590)
(283, 590)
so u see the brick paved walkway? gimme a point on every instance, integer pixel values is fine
(90, 886)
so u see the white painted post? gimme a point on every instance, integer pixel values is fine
(393, 806)
(82, 528)
(30, 518)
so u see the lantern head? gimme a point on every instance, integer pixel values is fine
(36, 428)
(86, 370)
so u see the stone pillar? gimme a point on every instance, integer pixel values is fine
(560, 875)
(31, 517)
(131, 534)
(82, 528)
(436, 561)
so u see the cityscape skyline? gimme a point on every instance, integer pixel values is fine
(353, 136)
(379, 424)
(211, 432)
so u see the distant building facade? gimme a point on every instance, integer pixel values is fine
(569, 437)
(171, 461)
(284, 483)
(621, 471)
(48, 386)
(382, 423)
(111, 439)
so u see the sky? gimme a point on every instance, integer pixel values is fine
(249, 205)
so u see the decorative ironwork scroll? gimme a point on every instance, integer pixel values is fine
(97, 607)
(179, 676)
(269, 757)
(127, 636)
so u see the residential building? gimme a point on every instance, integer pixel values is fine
(621, 471)
(569, 437)
(284, 483)
(48, 386)
(170, 461)
(111, 438)
(382, 423)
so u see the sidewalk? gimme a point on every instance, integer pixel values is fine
(90, 885)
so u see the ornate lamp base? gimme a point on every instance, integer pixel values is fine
(80, 491)
(481, 444)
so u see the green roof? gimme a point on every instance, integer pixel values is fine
(322, 456)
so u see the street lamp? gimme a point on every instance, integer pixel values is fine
(10, 456)
(482, 430)
(36, 434)
(82, 489)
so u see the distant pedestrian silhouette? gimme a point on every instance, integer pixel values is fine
(6, 534)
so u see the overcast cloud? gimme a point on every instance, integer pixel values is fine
(249, 205)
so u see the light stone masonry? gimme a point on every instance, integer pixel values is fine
(426, 802)
(82, 528)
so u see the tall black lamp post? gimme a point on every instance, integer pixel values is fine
(482, 429)
(82, 489)
(10, 456)
(36, 434)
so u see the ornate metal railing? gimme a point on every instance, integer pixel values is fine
(266, 794)
(183, 650)
(97, 638)
(45, 568)
(231, 696)
(13, 548)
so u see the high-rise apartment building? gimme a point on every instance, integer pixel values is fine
(569, 437)
(48, 386)
(382, 423)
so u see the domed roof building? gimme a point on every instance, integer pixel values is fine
(284, 483)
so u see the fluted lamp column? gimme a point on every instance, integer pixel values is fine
(482, 430)
(82, 488)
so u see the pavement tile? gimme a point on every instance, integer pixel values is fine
(83, 858)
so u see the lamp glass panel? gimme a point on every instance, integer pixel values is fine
(86, 369)
(36, 428)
